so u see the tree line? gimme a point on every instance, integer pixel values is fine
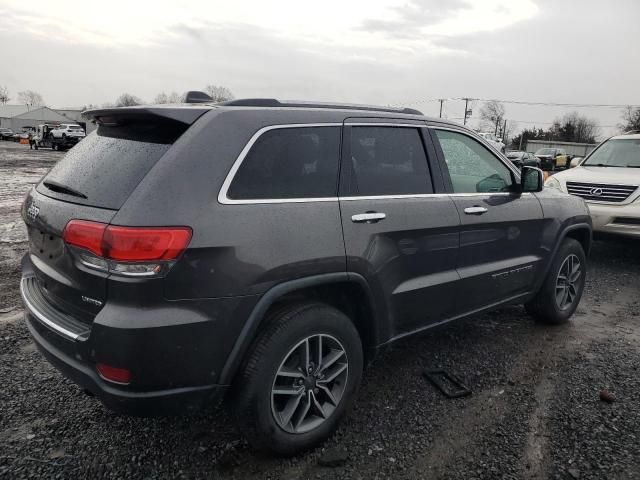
(572, 127)
(34, 99)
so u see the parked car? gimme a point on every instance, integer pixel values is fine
(6, 133)
(553, 158)
(68, 130)
(494, 141)
(523, 158)
(266, 251)
(609, 180)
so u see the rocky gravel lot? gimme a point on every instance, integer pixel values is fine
(535, 411)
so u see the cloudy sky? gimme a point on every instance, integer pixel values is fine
(407, 52)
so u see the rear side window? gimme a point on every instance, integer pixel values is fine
(388, 161)
(106, 166)
(289, 163)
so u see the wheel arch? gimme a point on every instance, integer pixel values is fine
(347, 292)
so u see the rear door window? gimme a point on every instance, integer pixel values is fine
(387, 161)
(286, 163)
(107, 165)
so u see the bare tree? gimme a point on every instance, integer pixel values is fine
(161, 98)
(492, 115)
(4, 94)
(127, 100)
(173, 97)
(631, 118)
(219, 93)
(31, 98)
(573, 127)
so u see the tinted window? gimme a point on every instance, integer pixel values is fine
(109, 163)
(290, 163)
(473, 169)
(388, 161)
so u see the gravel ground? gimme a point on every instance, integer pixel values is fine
(535, 411)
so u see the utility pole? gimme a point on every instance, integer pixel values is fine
(441, 102)
(504, 132)
(466, 105)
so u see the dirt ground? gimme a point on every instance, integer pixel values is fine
(535, 411)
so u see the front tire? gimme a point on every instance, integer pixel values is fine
(301, 376)
(562, 289)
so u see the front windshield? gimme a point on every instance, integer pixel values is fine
(546, 151)
(616, 153)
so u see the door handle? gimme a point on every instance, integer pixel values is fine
(475, 210)
(369, 217)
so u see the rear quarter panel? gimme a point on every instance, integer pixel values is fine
(235, 249)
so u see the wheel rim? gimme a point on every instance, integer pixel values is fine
(309, 383)
(568, 281)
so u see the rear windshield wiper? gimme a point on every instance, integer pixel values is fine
(58, 187)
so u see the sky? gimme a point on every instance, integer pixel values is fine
(386, 52)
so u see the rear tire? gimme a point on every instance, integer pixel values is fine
(282, 409)
(562, 289)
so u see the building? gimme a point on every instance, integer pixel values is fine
(18, 117)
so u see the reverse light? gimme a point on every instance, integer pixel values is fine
(121, 376)
(130, 251)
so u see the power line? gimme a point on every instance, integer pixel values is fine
(524, 102)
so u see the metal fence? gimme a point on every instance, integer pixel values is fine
(576, 149)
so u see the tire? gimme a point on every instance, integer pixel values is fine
(547, 306)
(261, 414)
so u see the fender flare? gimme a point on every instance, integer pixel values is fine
(560, 238)
(255, 318)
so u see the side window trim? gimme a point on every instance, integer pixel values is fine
(344, 190)
(445, 169)
(223, 193)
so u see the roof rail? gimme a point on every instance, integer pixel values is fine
(631, 132)
(272, 102)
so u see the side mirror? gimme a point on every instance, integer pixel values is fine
(531, 179)
(575, 161)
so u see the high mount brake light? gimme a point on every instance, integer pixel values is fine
(127, 244)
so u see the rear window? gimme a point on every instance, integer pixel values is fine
(106, 166)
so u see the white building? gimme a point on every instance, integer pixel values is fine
(17, 117)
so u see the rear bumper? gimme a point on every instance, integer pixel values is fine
(616, 219)
(175, 350)
(145, 404)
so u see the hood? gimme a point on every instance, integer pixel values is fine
(619, 176)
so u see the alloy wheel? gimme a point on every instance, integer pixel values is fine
(568, 282)
(309, 383)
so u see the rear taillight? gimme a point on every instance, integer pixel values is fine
(133, 251)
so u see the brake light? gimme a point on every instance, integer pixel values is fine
(83, 234)
(125, 249)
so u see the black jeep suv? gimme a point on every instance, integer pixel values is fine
(265, 251)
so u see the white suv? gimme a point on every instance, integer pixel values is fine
(609, 181)
(68, 130)
(494, 141)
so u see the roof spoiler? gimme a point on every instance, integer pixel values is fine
(119, 115)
